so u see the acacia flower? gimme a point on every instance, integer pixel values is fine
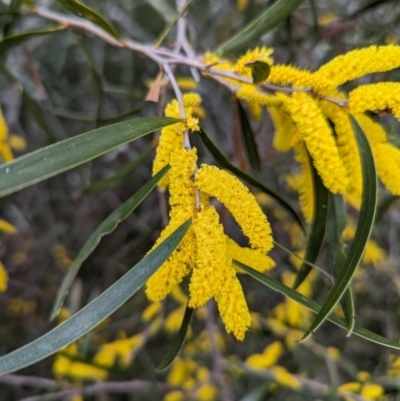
(380, 96)
(356, 64)
(171, 137)
(289, 75)
(3, 278)
(319, 140)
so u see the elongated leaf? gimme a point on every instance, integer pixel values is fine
(225, 163)
(111, 182)
(106, 227)
(14, 40)
(317, 232)
(82, 10)
(264, 22)
(313, 306)
(364, 227)
(248, 138)
(336, 225)
(96, 311)
(54, 159)
(35, 108)
(177, 342)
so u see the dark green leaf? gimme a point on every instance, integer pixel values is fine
(54, 159)
(96, 311)
(177, 342)
(82, 10)
(260, 71)
(111, 182)
(248, 138)
(264, 22)
(225, 163)
(364, 227)
(14, 40)
(106, 227)
(313, 306)
(317, 232)
(336, 225)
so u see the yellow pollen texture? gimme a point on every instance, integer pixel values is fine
(257, 54)
(289, 75)
(240, 202)
(319, 141)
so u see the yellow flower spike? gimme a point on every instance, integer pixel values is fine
(171, 137)
(249, 257)
(209, 273)
(232, 306)
(358, 63)
(207, 392)
(3, 128)
(5, 152)
(3, 278)
(268, 358)
(303, 182)
(372, 391)
(16, 142)
(289, 75)
(7, 228)
(284, 378)
(240, 202)
(174, 319)
(151, 311)
(373, 130)
(257, 54)
(347, 145)
(380, 96)
(387, 160)
(319, 141)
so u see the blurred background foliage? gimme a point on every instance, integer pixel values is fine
(64, 83)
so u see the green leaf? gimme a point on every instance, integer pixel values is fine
(96, 311)
(111, 182)
(313, 306)
(260, 71)
(82, 10)
(16, 39)
(225, 163)
(336, 225)
(258, 394)
(54, 159)
(106, 227)
(264, 22)
(364, 227)
(248, 138)
(317, 232)
(34, 107)
(177, 342)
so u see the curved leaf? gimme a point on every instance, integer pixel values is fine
(264, 22)
(96, 311)
(313, 306)
(177, 342)
(248, 138)
(106, 227)
(317, 232)
(111, 182)
(54, 159)
(336, 225)
(364, 227)
(225, 163)
(82, 10)
(14, 40)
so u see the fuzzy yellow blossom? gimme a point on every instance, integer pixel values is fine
(207, 392)
(358, 63)
(66, 367)
(372, 391)
(255, 259)
(304, 183)
(319, 141)
(151, 311)
(20, 307)
(187, 83)
(347, 144)
(374, 131)
(171, 137)
(380, 96)
(284, 378)
(289, 75)
(268, 357)
(240, 202)
(174, 319)
(120, 350)
(182, 200)
(257, 54)
(7, 228)
(3, 278)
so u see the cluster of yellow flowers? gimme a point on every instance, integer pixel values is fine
(205, 251)
(314, 117)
